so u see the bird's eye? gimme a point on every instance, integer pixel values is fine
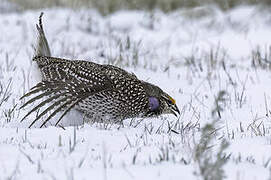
(153, 103)
(171, 101)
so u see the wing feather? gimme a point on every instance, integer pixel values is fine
(61, 95)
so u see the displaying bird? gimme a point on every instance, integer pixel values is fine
(103, 93)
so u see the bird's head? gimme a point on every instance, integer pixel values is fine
(159, 101)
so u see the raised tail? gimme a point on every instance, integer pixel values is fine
(42, 47)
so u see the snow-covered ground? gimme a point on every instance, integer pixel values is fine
(194, 55)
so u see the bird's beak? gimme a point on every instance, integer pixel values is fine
(175, 110)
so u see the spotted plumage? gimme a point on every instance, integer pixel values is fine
(101, 92)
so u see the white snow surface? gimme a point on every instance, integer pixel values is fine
(182, 52)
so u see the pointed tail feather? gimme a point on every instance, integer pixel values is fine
(42, 47)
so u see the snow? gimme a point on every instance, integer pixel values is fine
(181, 53)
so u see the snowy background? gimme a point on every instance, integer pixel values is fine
(216, 64)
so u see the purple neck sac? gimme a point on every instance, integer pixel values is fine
(153, 103)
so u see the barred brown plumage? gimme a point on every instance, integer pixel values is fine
(101, 92)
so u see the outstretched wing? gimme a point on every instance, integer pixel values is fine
(61, 96)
